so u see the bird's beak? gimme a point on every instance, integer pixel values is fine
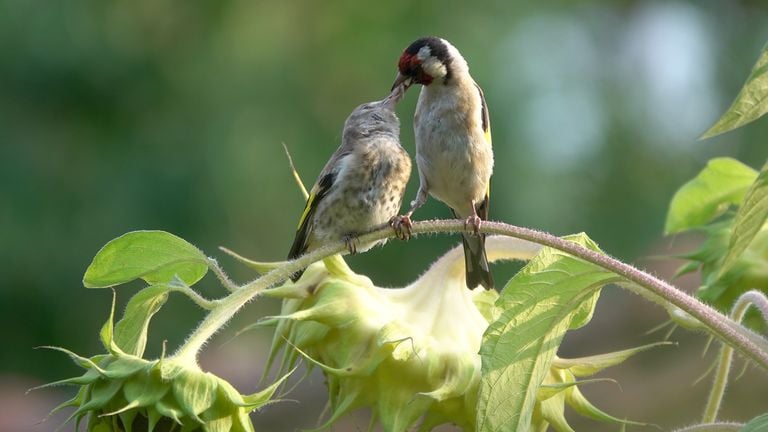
(398, 90)
(403, 80)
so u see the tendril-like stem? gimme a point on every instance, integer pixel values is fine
(193, 295)
(221, 276)
(750, 298)
(723, 328)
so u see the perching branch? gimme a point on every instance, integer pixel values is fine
(723, 328)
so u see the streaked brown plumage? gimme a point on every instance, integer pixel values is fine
(362, 184)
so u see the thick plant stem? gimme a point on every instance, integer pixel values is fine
(723, 328)
(749, 298)
(228, 306)
(729, 332)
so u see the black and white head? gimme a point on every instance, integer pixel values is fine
(429, 60)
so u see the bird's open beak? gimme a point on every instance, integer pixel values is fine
(404, 80)
(398, 90)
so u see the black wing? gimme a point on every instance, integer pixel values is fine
(302, 233)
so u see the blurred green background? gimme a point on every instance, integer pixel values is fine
(163, 114)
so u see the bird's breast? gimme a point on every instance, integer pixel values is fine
(451, 151)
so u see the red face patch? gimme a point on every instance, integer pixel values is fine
(410, 66)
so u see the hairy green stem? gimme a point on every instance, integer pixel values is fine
(221, 276)
(720, 381)
(729, 332)
(228, 306)
(193, 295)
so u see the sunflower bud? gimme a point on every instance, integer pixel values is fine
(121, 392)
(411, 355)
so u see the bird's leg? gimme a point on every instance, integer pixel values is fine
(402, 224)
(421, 198)
(473, 221)
(351, 241)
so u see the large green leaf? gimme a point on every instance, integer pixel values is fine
(757, 424)
(541, 303)
(751, 102)
(155, 256)
(750, 218)
(723, 182)
(130, 333)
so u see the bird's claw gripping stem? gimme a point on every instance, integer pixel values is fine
(474, 222)
(402, 226)
(351, 242)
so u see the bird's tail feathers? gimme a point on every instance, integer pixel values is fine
(297, 249)
(478, 271)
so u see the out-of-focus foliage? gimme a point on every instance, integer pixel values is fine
(749, 220)
(751, 103)
(723, 183)
(733, 258)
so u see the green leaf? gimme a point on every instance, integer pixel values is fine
(751, 103)
(723, 182)
(757, 424)
(538, 306)
(131, 332)
(750, 218)
(155, 256)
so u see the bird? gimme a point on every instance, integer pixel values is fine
(363, 183)
(454, 155)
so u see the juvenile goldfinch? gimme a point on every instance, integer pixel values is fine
(453, 142)
(363, 183)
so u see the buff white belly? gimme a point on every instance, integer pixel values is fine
(455, 161)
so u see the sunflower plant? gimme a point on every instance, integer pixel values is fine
(432, 352)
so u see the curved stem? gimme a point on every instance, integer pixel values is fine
(221, 276)
(193, 295)
(731, 333)
(749, 298)
(228, 306)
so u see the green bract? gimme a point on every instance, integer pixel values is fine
(126, 393)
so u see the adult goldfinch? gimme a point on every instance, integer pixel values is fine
(453, 141)
(363, 183)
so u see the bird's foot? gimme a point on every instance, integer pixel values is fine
(402, 226)
(351, 241)
(474, 222)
